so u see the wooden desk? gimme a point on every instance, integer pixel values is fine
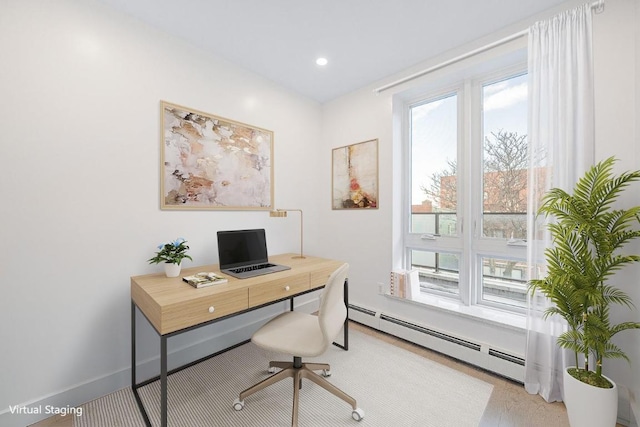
(172, 306)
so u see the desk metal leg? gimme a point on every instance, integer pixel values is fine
(163, 374)
(134, 385)
(133, 345)
(163, 381)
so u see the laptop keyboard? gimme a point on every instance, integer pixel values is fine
(251, 268)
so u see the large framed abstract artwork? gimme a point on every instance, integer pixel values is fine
(355, 176)
(209, 162)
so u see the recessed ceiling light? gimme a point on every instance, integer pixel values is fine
(322, 61)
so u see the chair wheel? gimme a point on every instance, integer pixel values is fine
(326, 372)
(272, 369)
(238, 405)
(357, 414)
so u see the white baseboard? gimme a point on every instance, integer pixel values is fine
(78, 394)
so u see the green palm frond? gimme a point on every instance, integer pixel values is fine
(611, 351)
(624, 326)
(617, 222)
(600, 188)
(572, 340)
(613, 295)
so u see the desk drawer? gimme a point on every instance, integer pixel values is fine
(188, 313)
(282, 288)
(319, 277)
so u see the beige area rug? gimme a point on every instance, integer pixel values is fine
(393, 386)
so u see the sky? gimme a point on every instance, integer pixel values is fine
(434, 128)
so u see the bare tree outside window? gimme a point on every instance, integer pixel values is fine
(505, 185)
(442, 190)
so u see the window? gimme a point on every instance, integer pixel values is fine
(466, 151)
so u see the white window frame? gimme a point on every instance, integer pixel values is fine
(469, 244)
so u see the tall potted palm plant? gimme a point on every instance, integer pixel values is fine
(588, 234)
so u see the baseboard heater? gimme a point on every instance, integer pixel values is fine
(431, 332)
(362, 310)
(498, 361)
(505, 356)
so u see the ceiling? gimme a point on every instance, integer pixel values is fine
(364, 40)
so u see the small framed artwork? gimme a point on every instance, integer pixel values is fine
(354, 171)
(209, 162)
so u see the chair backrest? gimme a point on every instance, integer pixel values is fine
(333, 312)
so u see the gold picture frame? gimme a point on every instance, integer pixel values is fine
(210, 162)
(354, 176)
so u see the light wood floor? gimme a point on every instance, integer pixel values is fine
(509, 406)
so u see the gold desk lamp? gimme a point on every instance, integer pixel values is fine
(282, 213)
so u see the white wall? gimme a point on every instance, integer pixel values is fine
(80, 86)
(363, 115)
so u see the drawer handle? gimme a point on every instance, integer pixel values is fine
(287, 288)
(211, 309)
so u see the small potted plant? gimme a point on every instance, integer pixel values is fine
(588, 235)
(171, 254)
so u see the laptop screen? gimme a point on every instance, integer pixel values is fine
(238, 248)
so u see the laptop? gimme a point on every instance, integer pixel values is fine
(243, 254)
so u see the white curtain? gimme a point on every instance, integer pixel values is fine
(561, 147)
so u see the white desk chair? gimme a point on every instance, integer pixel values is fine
(305, 335)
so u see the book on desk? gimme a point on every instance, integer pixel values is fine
(204, 279)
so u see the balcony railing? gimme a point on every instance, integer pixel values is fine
(495, 224)
(502, 280)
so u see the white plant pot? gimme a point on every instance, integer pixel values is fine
(589, 406)
(172, 270)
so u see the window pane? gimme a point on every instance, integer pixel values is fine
(505, 158)
(434, 139)
(434, 223)
(504, 281)
(437, 271)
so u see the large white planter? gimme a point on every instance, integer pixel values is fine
(589, 406)
(172, 270)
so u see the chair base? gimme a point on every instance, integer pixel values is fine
(298, 370)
